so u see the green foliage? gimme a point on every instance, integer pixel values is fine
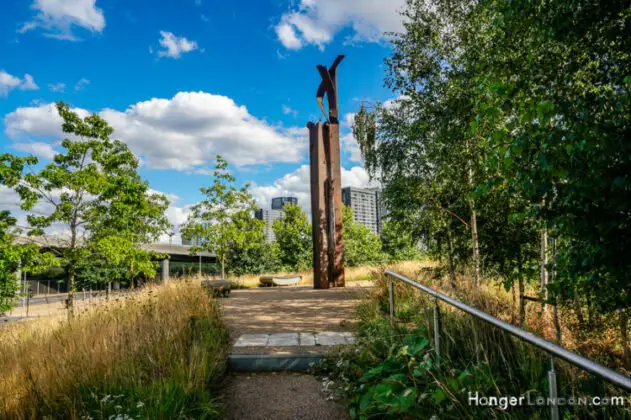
(94, 193)
(361, 245)
(293, 239)
(15, 257)
(398, 243)
(256, 256)
(392, 371)
(224, 218)
(519, 112)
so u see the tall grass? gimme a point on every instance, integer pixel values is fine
(393, 371)
(155, 355)
(351, 274)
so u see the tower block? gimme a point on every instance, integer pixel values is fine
(326, 186)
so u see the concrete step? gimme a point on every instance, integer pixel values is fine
(272, 362)
(284, 352)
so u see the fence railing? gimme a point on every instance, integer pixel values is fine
(552, 349)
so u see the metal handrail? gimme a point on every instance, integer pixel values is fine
(550, 348)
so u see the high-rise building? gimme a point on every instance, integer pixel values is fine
(269, 216)
(279, 202)
(367, 206)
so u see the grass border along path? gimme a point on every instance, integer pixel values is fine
(157, 355)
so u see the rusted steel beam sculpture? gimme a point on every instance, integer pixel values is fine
(326, 186)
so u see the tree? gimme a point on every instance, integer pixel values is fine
(514, 116)
(398, 243)
(420, 145)
(92, 191)
(361, 245)
(293, 237)
(256, 255)
(554, 106)
(219, 218)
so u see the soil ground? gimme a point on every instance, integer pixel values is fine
(279, 396)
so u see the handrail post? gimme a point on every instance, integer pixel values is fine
(392, 301)
(437, 330)
(552, 385)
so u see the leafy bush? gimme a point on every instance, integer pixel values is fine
(393, 371)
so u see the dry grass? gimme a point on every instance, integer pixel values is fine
(601, 344)
(350, 273)
(151, 355)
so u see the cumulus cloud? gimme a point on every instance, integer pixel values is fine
(41, 150)
(173, 46)
(297, 184)
(9, 82)
(182, 133)
(58, 17)
(316, 22)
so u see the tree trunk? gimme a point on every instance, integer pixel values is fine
(474, 224)
(450, 260)
(579, 312)
(557, 324)
(70, 300)
(522, 301)
(223, 267)
(544, 270)
(624, 335)
(514, 303)
(476, 245)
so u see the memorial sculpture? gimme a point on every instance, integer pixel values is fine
(326, 185)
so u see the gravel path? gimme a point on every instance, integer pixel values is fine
(282, 396)
(292, 309)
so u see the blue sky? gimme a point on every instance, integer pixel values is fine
(181, 81)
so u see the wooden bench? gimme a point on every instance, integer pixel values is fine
(217, 288)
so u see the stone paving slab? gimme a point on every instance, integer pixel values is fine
(330, 339)
(307, 339)
(283, 340)
(327, 338)
(252, 340)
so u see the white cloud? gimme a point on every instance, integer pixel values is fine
(57, 17)
(287, 110)
(287, 36)
(9, 82)
(57, 87)
(28, 83)
(316, 22)
(182, 133)
(297, 184)
(41, 150)
(81, 84)
(174, 46)
(41, 121)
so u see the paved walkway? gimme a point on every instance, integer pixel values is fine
(292, 309)
(287, 320)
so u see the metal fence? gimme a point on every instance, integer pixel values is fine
(552, 349)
